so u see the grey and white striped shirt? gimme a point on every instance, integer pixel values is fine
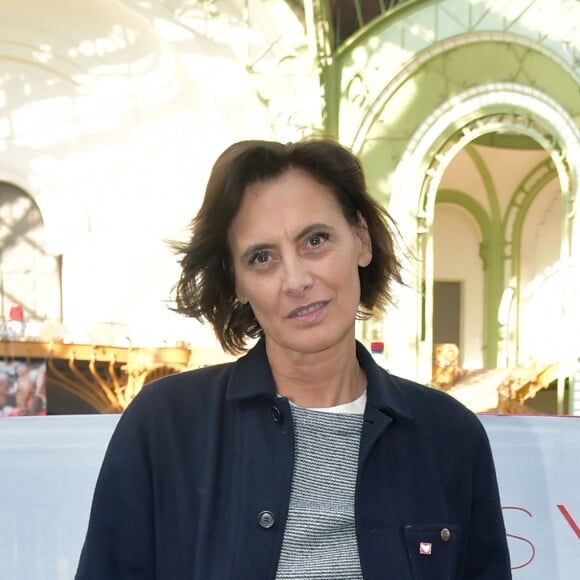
(320, 538)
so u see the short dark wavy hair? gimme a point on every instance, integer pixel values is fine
(205, 289)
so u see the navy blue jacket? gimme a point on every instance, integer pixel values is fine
(195, 483)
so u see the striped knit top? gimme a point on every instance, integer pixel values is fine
(320, 538)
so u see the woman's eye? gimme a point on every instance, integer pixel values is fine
(317, 239)
(260, 257)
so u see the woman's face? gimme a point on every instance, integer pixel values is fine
(296, 262)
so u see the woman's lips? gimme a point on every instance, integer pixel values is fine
(308, 311)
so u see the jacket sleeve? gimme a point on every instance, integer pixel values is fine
(487, 554)
(119, 542)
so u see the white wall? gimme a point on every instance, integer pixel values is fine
(456, 259)
(543, 281)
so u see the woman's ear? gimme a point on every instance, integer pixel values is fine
(366, 250)
(240, 297)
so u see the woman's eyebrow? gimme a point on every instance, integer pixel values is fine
(309, 229)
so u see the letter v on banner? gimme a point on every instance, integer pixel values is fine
(567, 516)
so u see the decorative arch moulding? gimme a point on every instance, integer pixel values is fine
(468, 112)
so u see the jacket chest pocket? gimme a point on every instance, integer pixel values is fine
(433, 550)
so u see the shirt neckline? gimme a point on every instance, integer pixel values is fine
(355, 407)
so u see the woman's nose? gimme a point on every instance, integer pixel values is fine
(297, 277)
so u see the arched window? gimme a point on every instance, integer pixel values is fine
(29, 277)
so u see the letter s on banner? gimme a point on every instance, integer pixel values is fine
(522, 539)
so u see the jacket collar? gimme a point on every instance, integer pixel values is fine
(384, 391)
(252, 377)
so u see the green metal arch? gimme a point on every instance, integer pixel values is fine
(487, 180)
(470, 205)
(395, 113)
(493, 248)
(519, 203)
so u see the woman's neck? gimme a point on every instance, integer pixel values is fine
(322, 379)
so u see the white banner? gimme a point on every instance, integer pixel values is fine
(48, 467)
(538, 466)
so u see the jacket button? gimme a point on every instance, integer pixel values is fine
(276, 414)
(445, 534)
(266, 519)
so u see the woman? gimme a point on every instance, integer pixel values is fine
(304, 459)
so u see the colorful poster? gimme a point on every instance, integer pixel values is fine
(22, 388)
